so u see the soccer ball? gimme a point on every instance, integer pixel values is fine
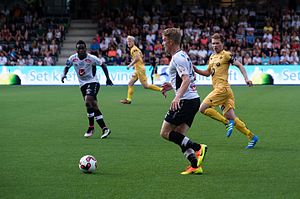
(88, 164)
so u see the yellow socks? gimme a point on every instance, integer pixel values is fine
(239, 125)
(215, 115)
(130, 93)
(153, 87)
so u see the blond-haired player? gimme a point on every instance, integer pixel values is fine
(185, 104)
(222, 94)
(139, 73)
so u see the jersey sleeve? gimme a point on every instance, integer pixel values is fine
(97, 61)
(69, 62)
(230, 57)
(135, 52)
(182, 67)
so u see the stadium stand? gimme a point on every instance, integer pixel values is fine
(257, 33)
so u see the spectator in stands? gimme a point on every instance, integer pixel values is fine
(53, 47)
(247, 60)
(3, 59)
(29, 61)
(48, 60)
(250, 38)
(265, 60)
(202, 54)
(274, 60)
(257, 59)
(21, 61)
(294, 58)
(94, 47)
(284, 58)
(111, 54)
(104, 47)
(164, 60)
(268, 29)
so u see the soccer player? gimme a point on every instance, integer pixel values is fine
(139, 74)
(185, 104)
(85, 67)
(222, 94)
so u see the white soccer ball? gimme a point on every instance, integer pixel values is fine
(88, 164)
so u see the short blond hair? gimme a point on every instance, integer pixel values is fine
(129, 37)
(218, 36)
(173, 34)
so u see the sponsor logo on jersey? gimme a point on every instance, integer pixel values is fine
(88, 60)
(75, 60)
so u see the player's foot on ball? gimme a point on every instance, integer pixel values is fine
(252, 142)
(192, 170)
(125, 101)
(201, 154)
(229, 128)
(105, 132)
(89, 132)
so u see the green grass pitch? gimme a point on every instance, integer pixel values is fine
(41, 142)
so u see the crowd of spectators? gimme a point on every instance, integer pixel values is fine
(28, 38)
(254, 37)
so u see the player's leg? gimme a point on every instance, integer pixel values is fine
(213, 99)
(174, 128)
(143, 79)
(241, 126)
(130, 90)
(90, 111)
(94, 89)
(188, 147)
(100, 120)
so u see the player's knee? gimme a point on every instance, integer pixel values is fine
(146, 86)
(164, 135)
(202, 109)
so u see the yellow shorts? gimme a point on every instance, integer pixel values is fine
(220, 96)
(141, 75)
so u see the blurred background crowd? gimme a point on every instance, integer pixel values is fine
(268, 35)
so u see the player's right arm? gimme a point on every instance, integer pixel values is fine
(66, 70)
(206, 72)
(136, 56)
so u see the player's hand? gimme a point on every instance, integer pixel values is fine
(175, 104)
(249, 83)
(166, 87)
(109, 82)
(63, 78)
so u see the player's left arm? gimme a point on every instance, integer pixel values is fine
(175, 104)
(243, 71)
(135, 59)
(108, 80)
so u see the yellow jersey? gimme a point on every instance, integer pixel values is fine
(218, 65)
(134, 51)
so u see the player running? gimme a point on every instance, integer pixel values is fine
(222, 94)
(185, 105)
(139, 73)
(85, 67)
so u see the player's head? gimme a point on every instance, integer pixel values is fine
(81, 49)
(130, 41)
(171, 39)
(217, 41)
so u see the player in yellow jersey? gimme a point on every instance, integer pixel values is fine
(222, 94)
(139, 73)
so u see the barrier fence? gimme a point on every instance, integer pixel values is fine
(51, 75)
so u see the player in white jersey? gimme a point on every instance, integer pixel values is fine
(85, 67)
(185, 105)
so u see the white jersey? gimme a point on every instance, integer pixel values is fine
(181, 64)
(85, 69)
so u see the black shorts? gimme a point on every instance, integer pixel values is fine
(91, 89)
(186, 113)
